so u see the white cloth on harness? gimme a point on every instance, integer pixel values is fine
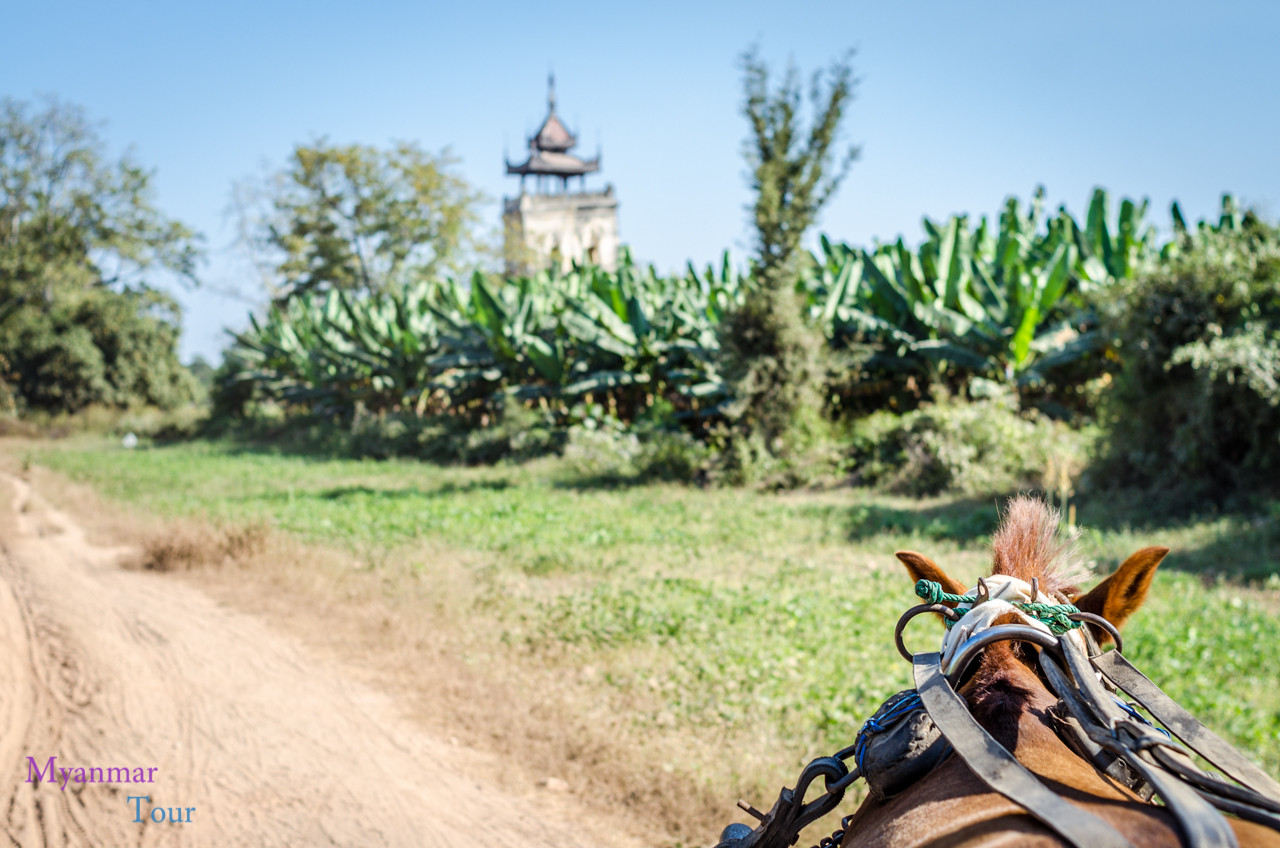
(1005, 591)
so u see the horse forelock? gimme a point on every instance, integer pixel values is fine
(1028, 545)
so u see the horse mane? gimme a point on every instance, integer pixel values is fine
(1028, 544)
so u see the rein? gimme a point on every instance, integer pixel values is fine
(1092, 720)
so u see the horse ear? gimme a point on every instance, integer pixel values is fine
(1120, 595)
(920, 567)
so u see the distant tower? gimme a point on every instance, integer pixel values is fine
(552, 227)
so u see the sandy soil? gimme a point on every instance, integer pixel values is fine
(270, 744)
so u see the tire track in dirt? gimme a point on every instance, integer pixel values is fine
(104, 667)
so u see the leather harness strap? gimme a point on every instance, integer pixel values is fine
(1202, 825)
(997, 768)
(1096, 722)
(1182, 724)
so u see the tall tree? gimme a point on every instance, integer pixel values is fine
(772, 357)
(79, 237)
(794, 171)
(358, 218)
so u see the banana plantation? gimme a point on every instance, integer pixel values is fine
(619, 338)
(1007, 304)
(1013, 303)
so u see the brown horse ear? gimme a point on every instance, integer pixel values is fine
(920, 567)
(1120, 595)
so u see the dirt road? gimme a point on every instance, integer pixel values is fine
(251, 738)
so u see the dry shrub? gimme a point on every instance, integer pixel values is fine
(184, 545)
(11, 426)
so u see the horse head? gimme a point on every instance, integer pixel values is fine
(1035, 575)
(1041, 565)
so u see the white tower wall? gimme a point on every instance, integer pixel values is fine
(542, 229)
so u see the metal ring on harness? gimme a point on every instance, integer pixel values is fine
(1100, 622)
(941, 609)
(999, 633)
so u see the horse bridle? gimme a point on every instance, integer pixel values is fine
(1096, 724)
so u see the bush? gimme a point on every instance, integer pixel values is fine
(814, 456)
(605, 449)
(1195, 404)
(442, 439)
(673, 456)
(100, 348)
(602, 448)
(977, 448)
(516, 433)
(519, 434)
(385, 435)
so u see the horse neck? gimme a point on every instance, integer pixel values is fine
(1008, 699)
(1013, 704)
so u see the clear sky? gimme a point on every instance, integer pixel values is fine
(958, 104)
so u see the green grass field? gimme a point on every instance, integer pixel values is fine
(725, 615)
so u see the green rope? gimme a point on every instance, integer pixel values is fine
(1053, 615)
(933, 594)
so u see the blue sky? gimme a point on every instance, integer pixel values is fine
(958, 105)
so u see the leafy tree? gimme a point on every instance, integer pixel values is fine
(358, 218)
(79, 234)
(772, 357)
(101, 347)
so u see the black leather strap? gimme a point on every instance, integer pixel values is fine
(1076, 717)
(1202, 825)
(1182, 724)
(997, 768)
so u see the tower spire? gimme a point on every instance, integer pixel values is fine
(549, 147)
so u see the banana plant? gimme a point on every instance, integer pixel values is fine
(1231, 219)
(1120, 254)
(999, 302)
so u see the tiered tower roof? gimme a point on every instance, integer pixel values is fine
(548, 148)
